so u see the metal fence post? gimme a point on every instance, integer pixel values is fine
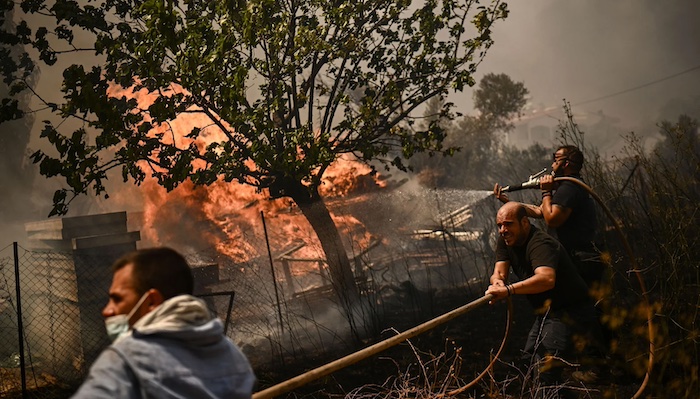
(20, 327)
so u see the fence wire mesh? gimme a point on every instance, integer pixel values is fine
(43, 310)
(62, 293)
(277, 308)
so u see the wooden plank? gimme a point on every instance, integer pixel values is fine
(53, 245)
(287, 251)
(75, 232)
(51, 224)
(101, 219)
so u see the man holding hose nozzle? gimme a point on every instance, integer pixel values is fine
(569, 212)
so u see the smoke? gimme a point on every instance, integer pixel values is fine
(16, 171)
(628, 58)
(631, 60)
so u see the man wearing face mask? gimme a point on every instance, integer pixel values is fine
(165, 344)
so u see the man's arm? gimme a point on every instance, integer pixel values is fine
(500, 273)
(554, 215)
(532, 211)
(110, 377)
(543, 280)
(498, 280)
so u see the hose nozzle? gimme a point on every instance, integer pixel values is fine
(532, 182)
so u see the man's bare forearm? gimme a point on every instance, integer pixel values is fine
(533, 211)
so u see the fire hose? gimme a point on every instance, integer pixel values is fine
(355, 357)
(636, 270)
(533, 182)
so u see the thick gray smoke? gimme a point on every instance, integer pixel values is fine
(636, 60)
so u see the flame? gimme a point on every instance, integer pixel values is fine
(347, 176)
(228, 216)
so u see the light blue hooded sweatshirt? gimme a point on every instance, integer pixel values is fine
(175, 351)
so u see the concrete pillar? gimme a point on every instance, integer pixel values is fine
(69, 284)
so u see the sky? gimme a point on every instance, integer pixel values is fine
(626, 58)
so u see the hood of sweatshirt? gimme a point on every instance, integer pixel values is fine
(183, 317)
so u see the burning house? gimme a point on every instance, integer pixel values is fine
(405, 242)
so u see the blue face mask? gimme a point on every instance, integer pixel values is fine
(118, 325)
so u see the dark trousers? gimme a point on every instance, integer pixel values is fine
(594, 273)
(559, 336)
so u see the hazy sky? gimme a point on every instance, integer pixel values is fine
(588, 50)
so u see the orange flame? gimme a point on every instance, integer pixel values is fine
(227, 216)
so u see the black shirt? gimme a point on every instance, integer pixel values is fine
(541, 249)
(577, 233)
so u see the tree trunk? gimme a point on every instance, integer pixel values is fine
(342, 278)
(314, 209)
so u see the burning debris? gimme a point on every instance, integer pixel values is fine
(394, 233)
(227, 216)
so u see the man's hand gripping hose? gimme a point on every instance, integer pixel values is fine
(533, 182)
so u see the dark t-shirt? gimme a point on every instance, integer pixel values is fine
(578, 232)
(541, 249)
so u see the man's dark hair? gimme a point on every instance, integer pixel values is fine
(573, 155)
(161, 268)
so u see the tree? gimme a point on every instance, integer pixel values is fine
(498, 100)
(290, 85)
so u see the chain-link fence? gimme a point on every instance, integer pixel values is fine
(53, 300)
(291, 310)
(278, 308)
